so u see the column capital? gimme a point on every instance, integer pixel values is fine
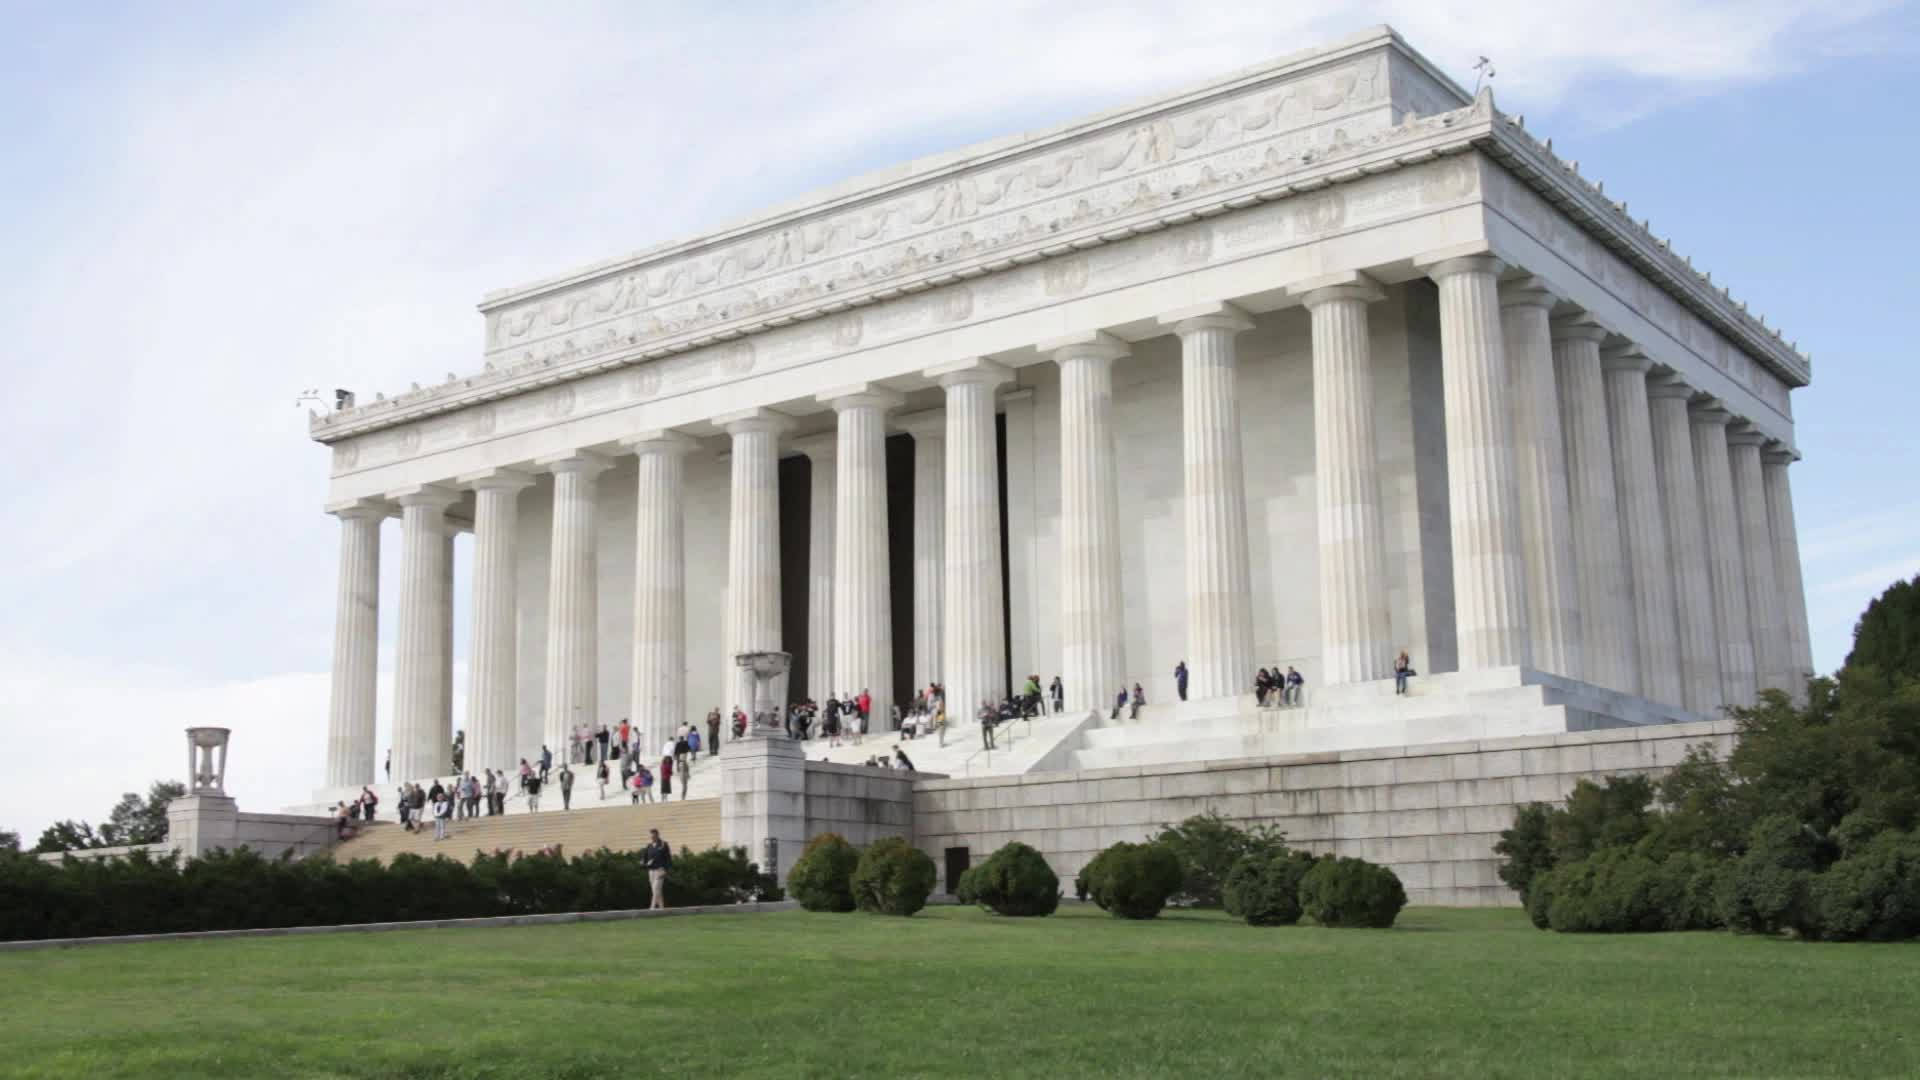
(430, 496)
(1742, 433)
(1440, 265)
(752, 420)
(861, 396)
(926, 424)
(1347, 285)
(819, 448)
(1778, 453)
(1580, 327)
(584, 462)
(1093, 345)
(495, 480)
(1709, 412)
(361, 509)
(973, 369)
(1527, 291)
(1668, 386)
(659, 441)
(1218, 315)
(1624, 356)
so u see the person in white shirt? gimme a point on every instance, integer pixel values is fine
(442, 810)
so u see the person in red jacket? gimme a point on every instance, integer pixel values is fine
(666, 778)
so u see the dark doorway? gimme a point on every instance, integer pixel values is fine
(958, 859)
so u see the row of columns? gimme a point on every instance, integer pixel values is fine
(1604, 525)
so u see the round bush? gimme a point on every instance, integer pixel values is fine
(1015, 880)
(1265, 889)
(1765, 891)
(1351, 892)
(892, 878)
(1133, 881)
(1873, 894)
(822, 877)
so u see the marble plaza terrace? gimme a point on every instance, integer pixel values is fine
(1318, 361)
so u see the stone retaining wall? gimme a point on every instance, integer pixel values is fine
(1432, 813)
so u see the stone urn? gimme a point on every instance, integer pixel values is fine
(765, 668)
(206, 774)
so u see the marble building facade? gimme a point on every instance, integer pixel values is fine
(1322, 360)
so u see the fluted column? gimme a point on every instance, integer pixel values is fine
(862, 583)
(659, 689)
(1600, 565)
(819, 450)
(493, 687)
(1772, 662)
(929, 431)
(1786, 561)
(753, 545)
(974, 637)
(1355, 628)
(1726, 561)
(1643, 526)
(1700, 688)
(356, 646)
(1489, 571)
(573, 608)
(1093, 664)
(1219, 648)
(422, 743)
(1540, 467)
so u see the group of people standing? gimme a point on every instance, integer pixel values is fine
(839, 717)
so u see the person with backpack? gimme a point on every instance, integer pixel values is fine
(533, 793)
(657, 857)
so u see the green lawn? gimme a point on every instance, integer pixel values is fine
(956, 992)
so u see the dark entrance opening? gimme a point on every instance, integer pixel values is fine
(958, 859)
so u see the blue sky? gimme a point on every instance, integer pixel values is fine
(209, 207)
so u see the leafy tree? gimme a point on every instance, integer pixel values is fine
(134, 820)
(1208, 847)
(67, 836)
(1887, 637)
(9, 841)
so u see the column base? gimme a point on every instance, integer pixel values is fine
(763, 801)
(198, 824)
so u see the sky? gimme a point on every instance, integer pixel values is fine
(207, 208)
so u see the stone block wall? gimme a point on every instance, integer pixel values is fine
(859, 803)
(1431, 813)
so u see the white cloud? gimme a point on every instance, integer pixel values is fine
(247, 210)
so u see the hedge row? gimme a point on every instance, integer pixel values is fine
(239, 890)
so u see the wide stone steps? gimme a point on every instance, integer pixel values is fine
(692, 825)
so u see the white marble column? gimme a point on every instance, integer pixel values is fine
(1772, 657)
(974, 638)
(1786, 561)
(1093, 664)
(1643, 526)
(1219, 646)
(1540, 467)
(1726, 561)
(658, 701)
(753, 545)
(862, 582)
(1600, 565)
(493, 687)
(1355, 627)
(1699, 654)
(820, 453)
(929, 431)
(422, 741)
(1489, 571)
(356, 646)
(573, 598)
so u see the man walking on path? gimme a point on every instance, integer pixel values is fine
(566, 788)
(657, 857)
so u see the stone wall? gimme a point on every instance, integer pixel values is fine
(1431, 813)
(859, 803)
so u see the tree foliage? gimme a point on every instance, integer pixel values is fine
(822, 877)
(1887, 637)
(1208, 846)
(1014, 880)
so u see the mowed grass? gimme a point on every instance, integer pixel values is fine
(956, 992)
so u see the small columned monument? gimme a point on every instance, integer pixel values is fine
(206, 817)
(763, 802)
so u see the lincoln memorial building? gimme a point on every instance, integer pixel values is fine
(1318, 362)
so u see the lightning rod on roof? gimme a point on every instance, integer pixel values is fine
(1482, 72)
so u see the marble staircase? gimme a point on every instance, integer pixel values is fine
(692, 825)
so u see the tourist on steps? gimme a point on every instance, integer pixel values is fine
(442, 813)
(657, 857)
(666, 777)
(1119, 702)
(546, 760)
(1059, 692)
(1180, 679)
(601, 775)
(1402, 671)
(368, 801)
(533, 793)
(1295, 683)
(713, 731)
(566, 788)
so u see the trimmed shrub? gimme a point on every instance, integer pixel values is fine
(718, 876)
(1766, 890)
(1133, 881)
(1351, 892)
(1209, 847)
(1264, 889)
(1015, 880)
(822, 877)
(1871, 895)
(1527, 848)
(892, 878)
